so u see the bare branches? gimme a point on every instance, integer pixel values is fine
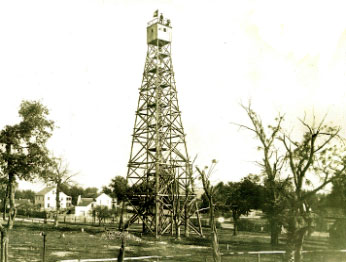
(271, 162)
(60, 173)
(313, 154)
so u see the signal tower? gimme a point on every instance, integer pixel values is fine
(159, 169)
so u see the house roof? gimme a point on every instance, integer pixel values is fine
(45, 191)
(102, 193)
(85, 202)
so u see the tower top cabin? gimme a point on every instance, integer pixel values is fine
(159, 30)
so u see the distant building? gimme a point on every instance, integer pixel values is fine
(46, 199)
(105, 200)
(85, 205)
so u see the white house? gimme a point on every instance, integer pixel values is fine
(85, 205)
(46, 199)
(105, 200)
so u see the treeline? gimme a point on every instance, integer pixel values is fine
(75, 191)
(236, 199)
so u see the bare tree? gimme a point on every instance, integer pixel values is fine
(271, 164)
(313, 162)
(210, 191)
(59, 175)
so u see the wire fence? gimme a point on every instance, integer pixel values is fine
(278, 256)
(33, 253)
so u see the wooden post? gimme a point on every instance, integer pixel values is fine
(44, 247)
(258, 257)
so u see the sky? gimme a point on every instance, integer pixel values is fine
(84, 60)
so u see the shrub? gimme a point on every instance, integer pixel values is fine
(337, 234)
(252, 226)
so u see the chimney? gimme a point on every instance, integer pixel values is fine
(79, 199)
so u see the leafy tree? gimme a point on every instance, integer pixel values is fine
(102, 213)
(210, 192)
(91, 192)
(74, 191)
(242, 197)
(25, 194)
(23, 155)
(117, 188)
(337, 196)
(23, 151)
(272, 163)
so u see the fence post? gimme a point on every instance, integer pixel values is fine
(44, 247)
(258, 257)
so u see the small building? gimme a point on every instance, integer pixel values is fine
(84, 206)
(46, 199)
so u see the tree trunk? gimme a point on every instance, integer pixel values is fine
(4, 206)
(177, 229)
(298, 256)
(235, 223)
(199, 220)
(57, 199)
(187, 222)
(4, 244)
(298, 252)
(12, 211)
(274, 232)
(295, 238)
(215, 241)
(121, 220)
(121, 254)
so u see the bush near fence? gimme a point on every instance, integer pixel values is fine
(337, 233)
(204, 222)
(32, 213)
(252, 225)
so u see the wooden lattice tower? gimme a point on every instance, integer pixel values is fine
(159, 169)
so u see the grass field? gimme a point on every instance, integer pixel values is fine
(69, 242)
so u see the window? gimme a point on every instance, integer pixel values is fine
(164, 30)
(48, 198)
(48, 205)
